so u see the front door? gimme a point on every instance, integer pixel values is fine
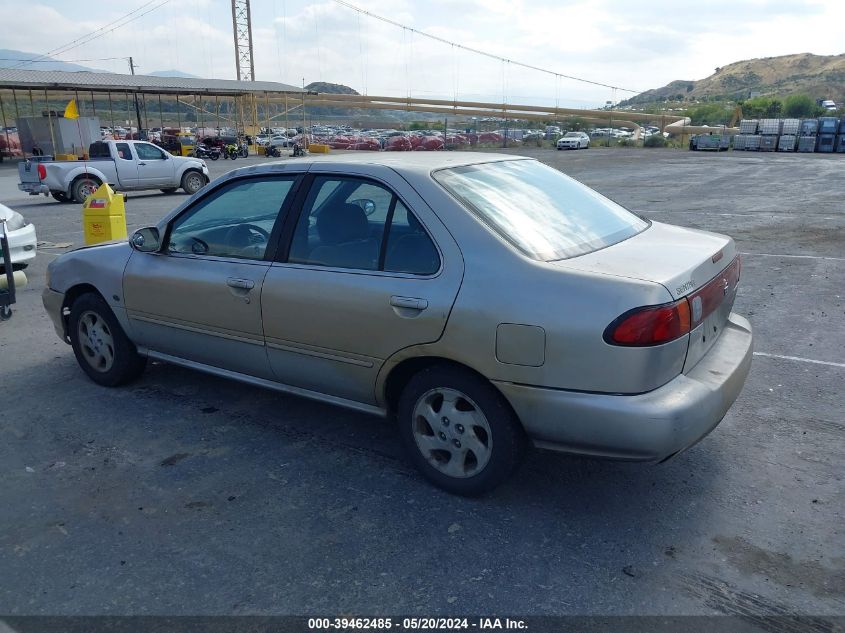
(155, 167)
(364, 278)
(199, 298)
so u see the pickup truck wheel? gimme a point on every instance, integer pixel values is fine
(459, 431)
(193, 181)
(101, 347)
(84, 187)
(169, 190)
(60, 196)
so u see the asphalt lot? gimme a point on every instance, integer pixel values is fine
(187, 494)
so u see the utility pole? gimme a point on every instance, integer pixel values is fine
(135, 94)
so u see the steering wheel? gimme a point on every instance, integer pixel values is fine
(248, 238)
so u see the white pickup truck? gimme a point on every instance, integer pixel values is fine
(125, 165)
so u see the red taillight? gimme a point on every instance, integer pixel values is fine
(42, 172)
(651, 325)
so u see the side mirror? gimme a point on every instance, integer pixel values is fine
(366, 204)
(146, 240)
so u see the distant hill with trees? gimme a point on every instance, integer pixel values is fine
(816, 76)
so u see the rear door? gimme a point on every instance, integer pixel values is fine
(126, 166)
(366, 270)
(155, 167)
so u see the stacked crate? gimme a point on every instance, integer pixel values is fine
(840, 137)
(747, 130)
(828, 126)
(789, 135)
(769, 134)
(807, 135)
(752, 143)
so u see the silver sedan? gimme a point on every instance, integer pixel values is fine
(485, 302)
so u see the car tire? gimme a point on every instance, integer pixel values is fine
(193, 181)
(474, 450)
(169, 190)
(84, 187)
(60, 196)
(100, 345)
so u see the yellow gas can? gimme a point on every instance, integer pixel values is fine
(104, 216)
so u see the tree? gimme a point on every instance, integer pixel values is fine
(800, 107)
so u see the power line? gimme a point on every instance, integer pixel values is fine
(97, 33)
(478, 51)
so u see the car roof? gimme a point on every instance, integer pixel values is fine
(420, 163)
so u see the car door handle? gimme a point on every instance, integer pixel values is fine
(242, 284)
(143, 164)
(408, 302)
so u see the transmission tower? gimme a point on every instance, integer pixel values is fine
(242, 27)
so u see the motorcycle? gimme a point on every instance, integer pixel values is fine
(203, 151)
(231, 151)
(244, 151)
(272, 150)
(298, 150)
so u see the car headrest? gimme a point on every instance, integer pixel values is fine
(342, 223)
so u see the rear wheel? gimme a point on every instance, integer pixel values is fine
(84, 187)
(193, 181)
(101, 347)
(459, 431)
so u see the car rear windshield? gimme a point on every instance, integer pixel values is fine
(542, 212)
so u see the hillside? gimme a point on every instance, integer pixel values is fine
(820, 76)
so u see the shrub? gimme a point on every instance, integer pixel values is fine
(655, 140)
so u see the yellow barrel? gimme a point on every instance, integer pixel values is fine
(104, 216)
(318, 148)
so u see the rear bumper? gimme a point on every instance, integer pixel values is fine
(34, 188)
(645, 427)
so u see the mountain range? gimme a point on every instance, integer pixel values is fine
(819, 76)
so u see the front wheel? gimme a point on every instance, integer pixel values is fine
(193, 181)
(101, 347)
(459, 431)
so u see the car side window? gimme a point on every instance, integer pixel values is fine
(234, 221)
(123, 151)
(341, 224)
(148, 152)
(409, 249)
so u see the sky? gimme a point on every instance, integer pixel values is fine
(634, 46)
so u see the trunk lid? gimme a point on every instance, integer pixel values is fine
(680, 259)
(698, 265)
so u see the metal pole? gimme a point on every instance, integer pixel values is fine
(178, 114)
(160, 115)
(135, 94)
(93, 105)
(111, 114)
(5, 130)
(50, 123)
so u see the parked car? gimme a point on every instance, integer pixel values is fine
(125, 165)
(22, 240)
(483, 301)
(573, 140)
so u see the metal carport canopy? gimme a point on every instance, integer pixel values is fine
(22, 79)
